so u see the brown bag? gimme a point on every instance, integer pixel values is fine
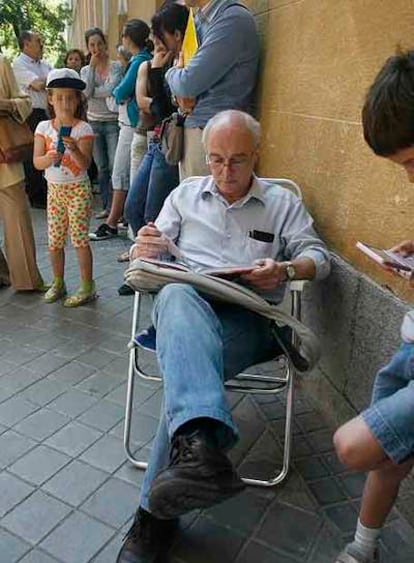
(16, 141)
(172, 138)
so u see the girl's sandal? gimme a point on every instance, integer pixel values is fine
(54, 293)
(80, 298)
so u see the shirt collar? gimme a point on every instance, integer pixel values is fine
(207, 12)
(257, 191)
(29, 59)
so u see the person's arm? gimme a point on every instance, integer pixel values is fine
(38, 85)
(143, 100)
(125, 89)
(87, 74)
(214, 58)
(16, 102)
(41, 158)
(301, 246)
(81, 150)
(115, 76)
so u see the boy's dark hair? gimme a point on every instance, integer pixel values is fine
(388, 112)
(94, 31)
(170, 18)
(138, 31)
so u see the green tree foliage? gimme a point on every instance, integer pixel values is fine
(48, 17)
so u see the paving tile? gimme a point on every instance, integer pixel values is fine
(207, 542)
(289, 529)
(327, 546)
(72, 402)
(39, 464)
(5, 392)
(110, 551)
(13, 446)
(44, 391)
(6, 367)
(77, 539)
(99, 384)
(343, 516)
(75, 482)
(19, 378)
(41, 424)
(113, 503)
(327, 491)
(311, 468)
(21, 355)
(12, 548)
(321, 440)
(96, 357)
(103, 415)
(106, 454)
(72, 373)
(255, 552)
(35, 517)
(249, 508)
(143, 428)
(37, 556)
(15, 409)
(127, 472)
(353, 484)
(47, 363)
(13, 491)
(73, 438)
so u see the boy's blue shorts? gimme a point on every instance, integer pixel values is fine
(391, 414)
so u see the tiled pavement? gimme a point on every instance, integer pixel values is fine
(66, 492)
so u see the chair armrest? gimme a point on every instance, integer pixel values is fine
(297, 285)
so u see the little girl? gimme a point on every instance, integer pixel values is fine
(63, 148)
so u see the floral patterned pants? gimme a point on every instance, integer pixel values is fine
(69, 208)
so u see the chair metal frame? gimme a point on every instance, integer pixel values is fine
(243, 383)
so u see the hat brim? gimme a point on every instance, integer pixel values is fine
(75, 83)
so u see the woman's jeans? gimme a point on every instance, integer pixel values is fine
(154, 180)
(104, 148)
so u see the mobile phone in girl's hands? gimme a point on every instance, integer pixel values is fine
(64, 131)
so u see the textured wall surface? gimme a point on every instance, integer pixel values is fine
(318, 58)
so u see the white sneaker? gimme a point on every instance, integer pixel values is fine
(349, 555)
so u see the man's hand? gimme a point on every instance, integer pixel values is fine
(186, 105)
(267, 275)
(37, 85)
(149, 243)
(405, 248)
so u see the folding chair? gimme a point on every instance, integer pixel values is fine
(254, 383)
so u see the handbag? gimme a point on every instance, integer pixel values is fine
(172, 138)
(16, 141)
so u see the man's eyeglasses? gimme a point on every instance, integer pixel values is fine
(235, 163)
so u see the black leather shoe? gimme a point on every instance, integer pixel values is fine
(148, 539)
(198, 476)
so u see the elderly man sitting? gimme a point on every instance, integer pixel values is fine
(228, 218)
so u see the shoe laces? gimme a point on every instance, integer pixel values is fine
(182, 448)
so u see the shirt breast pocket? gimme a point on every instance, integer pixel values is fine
(257, 249)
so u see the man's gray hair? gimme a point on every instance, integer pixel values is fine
(232, 117)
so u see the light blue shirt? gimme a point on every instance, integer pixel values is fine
(211, 233)
(223, 72)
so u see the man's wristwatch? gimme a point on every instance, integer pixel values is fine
(290, 271)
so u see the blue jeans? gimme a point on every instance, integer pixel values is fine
(154, 180)
(104, 148)
(390, 416)
(200, 344)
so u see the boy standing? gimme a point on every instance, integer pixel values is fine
(381, 439)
